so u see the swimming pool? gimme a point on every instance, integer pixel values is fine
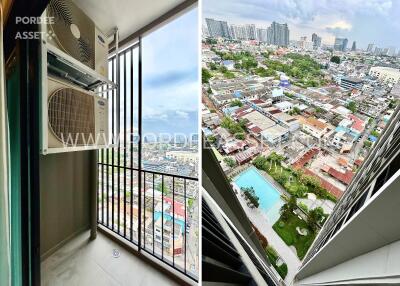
(270, 200)
(168, 217)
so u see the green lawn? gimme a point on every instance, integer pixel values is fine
(273, 257)
(287, 231)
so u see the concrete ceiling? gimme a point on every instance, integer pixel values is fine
(128, 15)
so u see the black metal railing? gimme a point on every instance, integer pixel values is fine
(166, 220)
(156, 211)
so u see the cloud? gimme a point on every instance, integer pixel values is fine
(365, 21)
(182, 114)
(302, 10)
(341, 25)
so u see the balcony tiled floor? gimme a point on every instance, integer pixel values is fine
(82, 262)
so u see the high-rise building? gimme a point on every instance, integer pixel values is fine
(316, 41)
(385, 51)
(304, 44)
(392, 51)
(205, 31)
(217, 28)
(370, 48)
(261, 35)
(354, 46)
(278, 34)
(359, 243)
(340, 44)
(251, 31)
(377, 51)
(238, 32)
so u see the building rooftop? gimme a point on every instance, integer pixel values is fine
(274, 131)
(314, 122)
(353, 80)
(283, 104)
(259, 120)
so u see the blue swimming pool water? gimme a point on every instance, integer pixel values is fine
(270, 201)
(168, 217)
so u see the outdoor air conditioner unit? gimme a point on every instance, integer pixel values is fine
(74, 33)
(74, 61)
(77, 119)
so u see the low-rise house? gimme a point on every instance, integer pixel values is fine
(341, 110)
(230, 65)
(223, 134)
(344, 177)
(259, 120)
(246, 155)
(313, 126)
(288, 120)
(343, 141)
(277, 94)
(275, 134)
(230, 110)
(284, 106)
(211, 120)
(221, 99)
(233, 146)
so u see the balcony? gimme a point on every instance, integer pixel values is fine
(113, 216)
(163, 212)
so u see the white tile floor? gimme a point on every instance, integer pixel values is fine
(82, 262)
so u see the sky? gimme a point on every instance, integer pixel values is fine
(363, 21)
(170, 77)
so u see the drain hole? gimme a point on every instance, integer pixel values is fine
(115, 253)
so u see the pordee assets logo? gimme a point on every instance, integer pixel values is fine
(34, 35)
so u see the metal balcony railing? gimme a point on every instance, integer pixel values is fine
(165, 216)
(155, 211)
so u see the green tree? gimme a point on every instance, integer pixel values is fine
(287, 209)
(260, 162)
(375, 133)
(236, 102)
(352, 106)
(230, 162)
(233, 127)
(393, 103)
(367, 144)
(205, 75)
(296, 110)
(190, 203)
(274, 157)
(250, 194)
(211, 138)
(315, 217)
(335, 59)
(163, 188)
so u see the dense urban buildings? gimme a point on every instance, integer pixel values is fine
(291, 125)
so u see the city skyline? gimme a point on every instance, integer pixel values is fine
(342, 19)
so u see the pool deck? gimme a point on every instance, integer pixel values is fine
(260, 220)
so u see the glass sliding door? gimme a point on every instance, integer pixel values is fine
(148, 186)
(169, 149)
